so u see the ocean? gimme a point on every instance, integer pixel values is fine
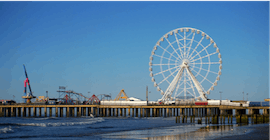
(107, 128)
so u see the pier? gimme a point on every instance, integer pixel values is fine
(126, 111)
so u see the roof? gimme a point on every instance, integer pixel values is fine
(134, 99)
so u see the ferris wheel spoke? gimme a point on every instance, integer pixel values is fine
(205, 69)
(164, 57)
(204, 78)
(173, 48)
(177, 87)
(188, 84)
(165, 70)
(191, 93)
(191, 41)
(179, 93)
(207, 63)
(201, 50)
(161, 64)
(192, 86)
(204, 56)
(188, 43)
(168, 52)
(180, 35)
(185, 45)
(167, 77)
(181, 83)
(196, 47)
(178, 43)
(189, 34)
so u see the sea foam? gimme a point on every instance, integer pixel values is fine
(85, 122)
(6, 130)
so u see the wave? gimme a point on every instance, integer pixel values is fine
(41, 118)
(46, 118)
(85, 122)
(6, 130)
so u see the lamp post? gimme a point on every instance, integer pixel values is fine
(243, 96)
(247, 96)
(147, 95)
(220, 95)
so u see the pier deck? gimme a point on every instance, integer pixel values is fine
(26, 110)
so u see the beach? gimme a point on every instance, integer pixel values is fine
(124, 128)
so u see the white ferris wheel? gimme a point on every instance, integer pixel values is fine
(185, 64)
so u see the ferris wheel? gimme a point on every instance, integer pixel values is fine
(185, 64)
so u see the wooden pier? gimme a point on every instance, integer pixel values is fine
(124, 111)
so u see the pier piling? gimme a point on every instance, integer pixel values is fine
(56, 111)
(34, 111)
(39, 111)
(50, 114)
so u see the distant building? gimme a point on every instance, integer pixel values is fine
(7, 102)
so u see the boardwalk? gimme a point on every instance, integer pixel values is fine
(22, 110)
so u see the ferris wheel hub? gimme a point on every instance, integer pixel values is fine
(185, 63)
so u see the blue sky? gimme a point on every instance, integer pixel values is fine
(103, 47)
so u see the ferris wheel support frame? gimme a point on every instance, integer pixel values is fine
(197, 84)
(173, 84)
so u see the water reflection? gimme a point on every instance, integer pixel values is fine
(186, 132)
(203, 133)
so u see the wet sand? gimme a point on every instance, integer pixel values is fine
(225, 132)
(195, 132)
(258, 133)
